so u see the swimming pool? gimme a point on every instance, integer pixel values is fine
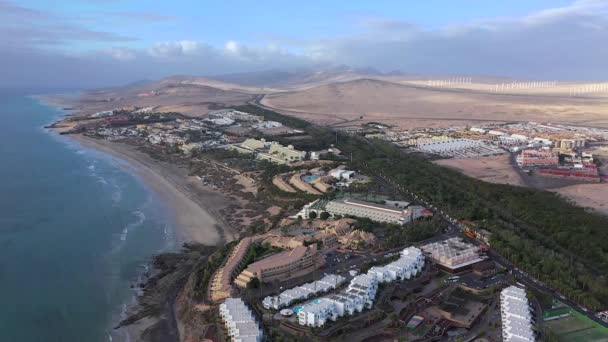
(297, 309)
(310, 178)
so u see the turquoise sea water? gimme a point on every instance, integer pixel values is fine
(76, 231)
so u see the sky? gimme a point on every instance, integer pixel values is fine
(89, 43)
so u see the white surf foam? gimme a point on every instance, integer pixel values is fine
(141, 217)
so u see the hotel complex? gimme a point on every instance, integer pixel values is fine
(361, 291)
(356, 208)
(240, 321)
(453, 254)
(281, 266)
(516, 316)
(221, 286)
(270, 151)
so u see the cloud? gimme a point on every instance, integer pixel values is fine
(10, 9)
(565, 42)
(25, 27)
(122, 53)
(559, 43)
(144, 16)
(179, 49)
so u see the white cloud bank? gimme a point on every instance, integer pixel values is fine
(561, 43)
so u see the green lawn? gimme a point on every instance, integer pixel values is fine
(575, 329)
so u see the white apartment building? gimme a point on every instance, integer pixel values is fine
(406, 267)
(365, 286)
(240, 321)
(317, 313)
(361, 291)
(347, 304)
(285, 298)
(516, 315)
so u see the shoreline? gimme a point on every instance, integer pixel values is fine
(194, 208)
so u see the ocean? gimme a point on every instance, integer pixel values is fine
(76, 230)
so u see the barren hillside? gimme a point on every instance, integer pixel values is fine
(168, 95)
(298, 79)
(400, 104)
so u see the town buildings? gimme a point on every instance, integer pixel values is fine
(235, 115)
(458, 148)
(529, 158)
(240, 321)
(516, 315)
(569, 144)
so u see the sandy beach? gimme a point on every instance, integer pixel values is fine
(196, 209)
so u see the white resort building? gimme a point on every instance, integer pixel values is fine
(325, 284)
(404, 268)
(240, 321)
(271, 151)
(373, 211)
(516, 315)
(361, 291)
(453, 254)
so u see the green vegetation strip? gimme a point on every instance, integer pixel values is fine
(556, 312)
